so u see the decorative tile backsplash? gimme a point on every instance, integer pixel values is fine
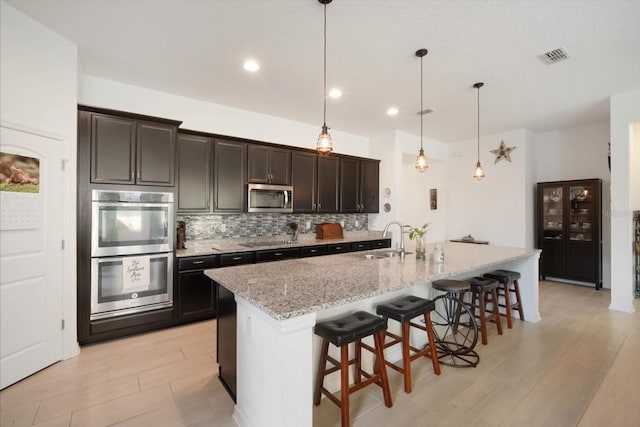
(234, 226)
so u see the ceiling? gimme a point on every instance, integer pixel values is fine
(196, 48)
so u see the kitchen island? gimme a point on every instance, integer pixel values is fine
(279, 303)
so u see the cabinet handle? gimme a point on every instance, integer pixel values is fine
(236, 258)
(319, 205)
(278, 254)
(313, 206)
(197, 262)
(138, 176)
(313, 250)
(338, 247)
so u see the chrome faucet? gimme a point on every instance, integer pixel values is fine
(399, 224)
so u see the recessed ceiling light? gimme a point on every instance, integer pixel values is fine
(335, 93)
(392, 111)
(251, 65)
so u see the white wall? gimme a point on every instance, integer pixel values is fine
(634, 167)
(214, 118)
(498, 207)
(625, 115)
(579, 153)
(38, 86)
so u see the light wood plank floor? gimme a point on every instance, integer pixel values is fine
(579, 366)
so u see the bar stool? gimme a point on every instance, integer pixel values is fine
(483, 291)
(509, 281)
(455, 327)
(402, 310)
(340, 332)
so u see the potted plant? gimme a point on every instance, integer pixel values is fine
(417, 234)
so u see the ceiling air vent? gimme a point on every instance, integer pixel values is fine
(554, 56)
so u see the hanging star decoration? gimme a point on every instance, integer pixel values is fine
(502, 152)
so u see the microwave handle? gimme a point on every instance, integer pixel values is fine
(286, 198)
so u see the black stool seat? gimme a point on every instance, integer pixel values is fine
(405, 308)
(350, 328)
(479, 284)
(513, 275)
(449, 285)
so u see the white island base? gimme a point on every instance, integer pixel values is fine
(277, 356)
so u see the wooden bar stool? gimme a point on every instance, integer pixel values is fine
(483, 291)
(509, 281)
(403, 310)
(340, 332)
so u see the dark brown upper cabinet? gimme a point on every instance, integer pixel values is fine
(130, 151)
(316, 183)
(359, 185)
(230, 176)
(194, 178)
(268, 165)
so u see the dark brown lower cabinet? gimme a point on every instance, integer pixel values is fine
(226, 340)
(197, 293)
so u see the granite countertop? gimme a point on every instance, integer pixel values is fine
(292, 288)
(219, 246)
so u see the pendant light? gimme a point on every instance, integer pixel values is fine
(325, 144)
(478, 173)
(422, 163)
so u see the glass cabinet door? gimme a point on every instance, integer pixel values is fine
(552, 212)
(581, 214)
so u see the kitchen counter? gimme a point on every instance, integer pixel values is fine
(250, 244)
(278, 305)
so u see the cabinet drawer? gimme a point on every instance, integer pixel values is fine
(277, 254)
(227, 260)
(198, 262)
(379, 244)
(360, 246)
(337, 248)
(313, 251)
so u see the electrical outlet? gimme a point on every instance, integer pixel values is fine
(342, 223)
(357, 223)
(308, 225)
(223, 228)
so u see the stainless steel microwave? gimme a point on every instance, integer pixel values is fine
(270, 198)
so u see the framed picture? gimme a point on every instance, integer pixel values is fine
(433, 199)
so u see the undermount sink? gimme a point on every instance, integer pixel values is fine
(379, 255)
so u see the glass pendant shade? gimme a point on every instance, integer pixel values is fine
(422, 163)
(325, 144)
(478, 173)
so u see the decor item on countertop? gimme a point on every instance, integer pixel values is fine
(181, 235)
(325, 144)
(422, 163)
(503, 152)
(329, 230)
(478, 173)
(438, 254)
(418, 234)
(468, 238)
(295, 229)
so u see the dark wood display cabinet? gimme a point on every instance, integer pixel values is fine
(359, 182)
(129, 148)
(268, 165)
(569, 222)
(316, 183)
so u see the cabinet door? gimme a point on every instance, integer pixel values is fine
(258, 164)
(369, 186)
(280, 166)
(304, 172)
(551, 227)
(113, 150)
(194, 174)
(155, 154)
(197, 296)
(583, 232)
(230, 190)
(328, 184)
(349, 185)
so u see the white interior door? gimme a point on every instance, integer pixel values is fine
(30, 258)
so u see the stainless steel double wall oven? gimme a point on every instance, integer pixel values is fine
(132, 242)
